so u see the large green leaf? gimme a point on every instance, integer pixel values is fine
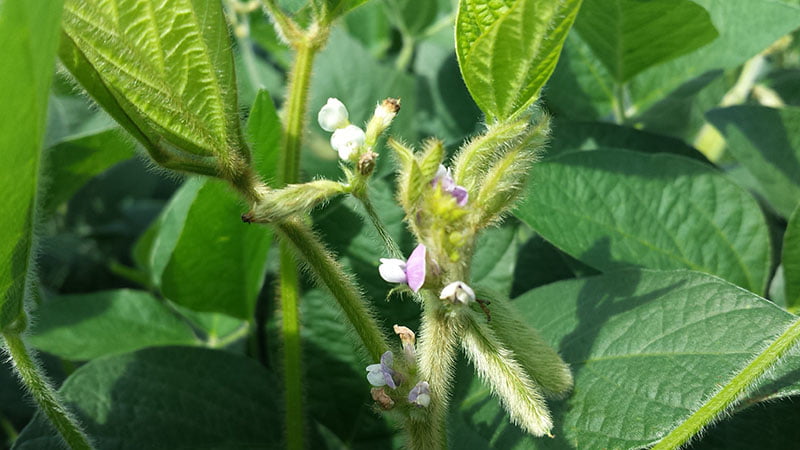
(507, 49)
(86, 326)
(614, 208)
(791, 261)
(28, 37)
(641, 363)
(218, 263)
(766, 142)
(629, 36)
(169, 397)
(73, 162)
(163, 72)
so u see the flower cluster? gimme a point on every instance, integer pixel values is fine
(346, 138)
(444, 179)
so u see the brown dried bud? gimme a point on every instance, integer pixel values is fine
(366, 163)
(382, 398)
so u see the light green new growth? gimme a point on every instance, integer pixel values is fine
(35, 381)
(165, 75)
(521, 396)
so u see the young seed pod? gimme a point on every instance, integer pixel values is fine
(278, 205)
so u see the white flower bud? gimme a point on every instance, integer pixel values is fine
(458, 291)
(333, 115)
(347, 141)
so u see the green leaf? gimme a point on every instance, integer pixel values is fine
(628, 36)
(571, 136)
(495, 255)
(766, 142)
(218, 263)
(411, 16)
(86, 326)
(628, 338)
(174, 397)
(199, 252)
(73, 162)
(507, 49)
(163, 74)
(791, 262)
(765, 426)
(613, 209)
(746, 27)
(28, 37)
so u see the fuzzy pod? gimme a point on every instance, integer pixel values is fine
(280, 204)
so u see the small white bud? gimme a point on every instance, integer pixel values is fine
(386, 111)
(333, 115)
(458, 291)
(347, 141)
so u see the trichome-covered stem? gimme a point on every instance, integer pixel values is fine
(296, 106)
(333, 276)
(31, 375)
(733, 390)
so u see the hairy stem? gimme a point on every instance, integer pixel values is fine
(391, 245)
(291, 145)
(733, 390)
(33, 378)
(436, 354)
(292, 349)
(333, 276)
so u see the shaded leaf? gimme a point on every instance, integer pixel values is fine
(86, 326)
(72, 162)
(791, 262)
(613, 209)
(169, 397)
(28, 37)
(766, 142)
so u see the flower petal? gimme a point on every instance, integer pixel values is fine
(347, 140)
(458, 291)
(333, 115)
(415, 268)
(460, 194)
(393, 270)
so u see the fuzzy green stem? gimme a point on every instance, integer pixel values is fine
(292, 142)
(391, 245)
(297, 104)
(733, 390)
(333, 276)
(436, 354)
(32, 377)
(292, 350)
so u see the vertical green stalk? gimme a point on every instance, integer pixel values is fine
(292, 141)
(733, 390)
(436, 354)
(43, 393)
(292, 350)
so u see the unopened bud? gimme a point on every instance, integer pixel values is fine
(382, 398)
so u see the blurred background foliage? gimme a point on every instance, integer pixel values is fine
(113, 222)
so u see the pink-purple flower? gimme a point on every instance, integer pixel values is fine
(411, 272)
(444, 179)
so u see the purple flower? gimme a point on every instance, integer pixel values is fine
(420, 395)
(381, 374)
(444, 178)
(411, 272)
